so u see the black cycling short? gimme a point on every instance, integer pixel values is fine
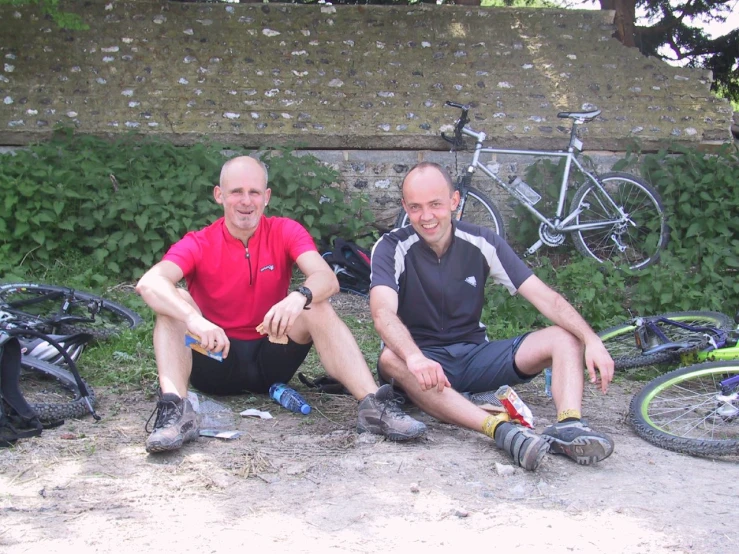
(251, 366)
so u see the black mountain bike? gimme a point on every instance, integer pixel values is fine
(54, 325)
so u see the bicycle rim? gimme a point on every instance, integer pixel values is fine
(30, 304)
(635, 243)
(478, 209)
(621, 344)
(682, 411)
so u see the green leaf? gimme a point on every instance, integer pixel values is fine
(694, 229)
(141, 221)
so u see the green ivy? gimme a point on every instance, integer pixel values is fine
(308, 190)
(50, 8)
(121, 204)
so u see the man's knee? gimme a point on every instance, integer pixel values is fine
(320, 315)
(565, 341)
(187, 297)
(389, 364)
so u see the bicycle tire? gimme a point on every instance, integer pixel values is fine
(621, 345)
(70, 406)
(679, 411)
(643, 242)
(115, 319)
(478, 209)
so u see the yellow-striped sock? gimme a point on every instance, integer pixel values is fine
(491, 423)
(569, 414)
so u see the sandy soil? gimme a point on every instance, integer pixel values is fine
(311, 484)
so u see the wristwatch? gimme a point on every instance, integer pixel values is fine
(305, 291)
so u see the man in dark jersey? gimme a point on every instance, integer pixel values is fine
(238, 273)
(426, 299)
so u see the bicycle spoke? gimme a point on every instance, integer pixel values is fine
(635, 239)
(690, 410)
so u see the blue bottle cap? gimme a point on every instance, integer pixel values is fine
(305, 409)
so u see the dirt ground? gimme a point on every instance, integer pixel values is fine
(311, 484)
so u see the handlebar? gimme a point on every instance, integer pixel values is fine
(457, 141)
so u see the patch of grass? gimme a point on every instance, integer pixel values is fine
(368, 341)
(124, 361)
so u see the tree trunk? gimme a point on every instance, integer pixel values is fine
(625, 20)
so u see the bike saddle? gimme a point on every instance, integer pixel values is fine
(585, 116)
(39, 348)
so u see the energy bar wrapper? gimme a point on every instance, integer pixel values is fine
(515, 406)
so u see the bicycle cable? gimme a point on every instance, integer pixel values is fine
(84, 393)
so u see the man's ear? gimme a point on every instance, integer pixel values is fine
(455, 200)
(218, 194)
(267, 196)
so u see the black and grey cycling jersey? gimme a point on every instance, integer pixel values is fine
(440, 300)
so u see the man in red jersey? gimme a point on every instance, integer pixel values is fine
(238, 273)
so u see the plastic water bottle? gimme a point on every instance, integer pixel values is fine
(288, 398)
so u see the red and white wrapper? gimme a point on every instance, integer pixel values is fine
(515, 406)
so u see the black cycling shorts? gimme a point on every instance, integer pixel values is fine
(251, 366)
(480, 367)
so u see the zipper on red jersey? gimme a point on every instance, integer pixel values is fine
(248, 259)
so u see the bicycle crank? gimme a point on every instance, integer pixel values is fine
(550, 237)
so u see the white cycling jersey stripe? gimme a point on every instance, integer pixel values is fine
(399, 255)
(497, 272)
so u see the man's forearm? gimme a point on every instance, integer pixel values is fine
(322, 285)
(395, 335)
(162, 297)
(562, 313)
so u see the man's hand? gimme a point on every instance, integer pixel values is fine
(280, 317)
(428, 373)
(211, 336)
(596, 355)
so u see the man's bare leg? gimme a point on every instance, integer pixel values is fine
(174, 359)
(336, 347)
(556, 348)
(449, 406)
(378, 411)
(570, 436)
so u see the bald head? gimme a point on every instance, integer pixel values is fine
(425, 168)
(244, 165)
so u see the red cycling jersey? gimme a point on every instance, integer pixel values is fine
(233, 285)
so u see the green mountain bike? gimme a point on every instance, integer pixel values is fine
(693, 409)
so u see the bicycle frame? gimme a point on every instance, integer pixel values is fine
(558, 223)
(716, 351)
(9, 311)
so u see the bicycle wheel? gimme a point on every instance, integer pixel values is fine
(52, 391)
(63, 311)
(478, 209)
(637, 241)
(621, 344)
(684, 411)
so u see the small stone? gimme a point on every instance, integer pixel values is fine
(461, 513)
(504, 469)
(414, 488)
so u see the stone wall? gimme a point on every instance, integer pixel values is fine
(361, 86)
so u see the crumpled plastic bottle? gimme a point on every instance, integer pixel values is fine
(212, 414)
